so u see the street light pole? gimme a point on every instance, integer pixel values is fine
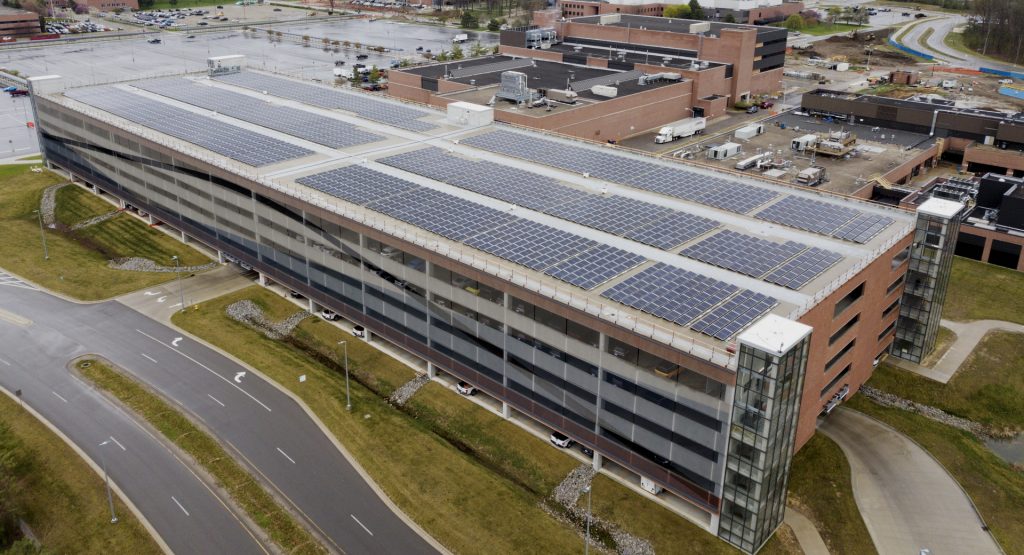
(106, 478)
(181, 289)
(586, 547)
(348, 392)
(42, 235)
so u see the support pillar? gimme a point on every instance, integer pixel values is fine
(431, 370)
(96, 190)
(262, 279)
(598, 462)
(220, 254)
(369, 334)
(150, 219)
(122, 204)
(506, 411)
(184, 238)
(311, 306)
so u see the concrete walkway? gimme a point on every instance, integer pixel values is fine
(806, 533)
(968, 334)
(907, 499)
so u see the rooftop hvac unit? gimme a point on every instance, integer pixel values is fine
(605, 91)
(514, 87)
(223, 65)
(702, 27)
(609, 19)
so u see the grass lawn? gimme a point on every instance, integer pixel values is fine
(58, 495)
(75, 204)
(979, 291)
(244, 489)
(74, 269)
(450, 493)
(827, 29)
(996, 488)
(989, 388)
(943, 341)
(32, 157)
(820, 487)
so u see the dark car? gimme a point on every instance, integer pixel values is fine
(19, 92)
(586, 450)
(920, 15)
(153, 41)
(766, 104)
(362, 56)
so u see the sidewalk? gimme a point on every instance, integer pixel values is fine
(968, 335)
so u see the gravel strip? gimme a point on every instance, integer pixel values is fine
(136, 264)
(49, 204)
(408, 389)
(568, 494)
(95, 220)
(895, 401)
(249, 313)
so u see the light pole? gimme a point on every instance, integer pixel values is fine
(181, 289)
(42, 235)
(106, 478)
(586, 546)
(348, 392)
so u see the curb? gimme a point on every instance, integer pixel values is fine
(97, 469)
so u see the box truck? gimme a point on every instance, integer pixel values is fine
(461, 37)
(680, 129)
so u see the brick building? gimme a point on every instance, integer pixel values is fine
(753, 12)
(18, 23)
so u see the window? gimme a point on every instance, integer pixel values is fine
(888, 329)
(900, 258)
(848, 300)
(842, 331)
(895, 304)
(894, 285)
(835, 380)
(840, 355)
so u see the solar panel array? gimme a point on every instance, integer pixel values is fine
(504, 65)
(312, 127)
(563, 255)
(389, 113)
(805, 267)
(641, 221)
(683, 297)
(243, 145)
(675, 182)
(825, 218)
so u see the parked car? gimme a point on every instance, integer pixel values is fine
(586, 450)
(329, 315)
(464, 388)
(277, 9)
(920, 15)
(766, 104)
(559, 439)
(359, 331)
(153, 41)
(19, 92)
(753, 109)
(1006, 81)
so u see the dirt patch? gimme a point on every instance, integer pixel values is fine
(854, 46)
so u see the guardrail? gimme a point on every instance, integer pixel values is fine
(1002, 72)
(9, 80)
(909, 50)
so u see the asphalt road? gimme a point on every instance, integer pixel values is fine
(936, 46)
(249, 415)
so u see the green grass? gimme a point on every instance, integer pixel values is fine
(956, 42)
(979, 291)
(943, 341)
(827, 29)
(452, 494)
(996, 488)
(76, 267)
(988, 388)
(75, 204)
(244, 489)
(58, 495)
(32, 157)
(820, 487)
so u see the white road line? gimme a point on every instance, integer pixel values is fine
(151, 359)
(118, 443)
(59, 397)
(285, 455)
(5, 362)
(361, 524)
(207, 368)
(178, 503)
(215, 400)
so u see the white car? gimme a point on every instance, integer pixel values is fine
(464, 388)
(329, 315)
(560, 440)
(1006, 81)
(359, 331)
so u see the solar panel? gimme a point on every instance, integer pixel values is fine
(806, 266)
(373, 109)
(863, 228)
(671, 293)
(725, 194)
(672, 230)
(243, 145)
(531, 244)
(826, 218)
(298, 123)
(595, 266)
(614, 214)
(742, 253)
(357, 184)
(441, 213)
(733, 315)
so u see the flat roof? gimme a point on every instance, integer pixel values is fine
(687, 256)
(633, 54)
(7, 10)
(670, 24)
(915, 102)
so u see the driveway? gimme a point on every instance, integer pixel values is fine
(908, 501)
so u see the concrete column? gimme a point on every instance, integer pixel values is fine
(184, 238)
(312, 306)
(598, 461)
(431, 370)
(506, 411)
(150, 219)
(262, 279)
(220, 254)
(96, 191)
(369, 335)
(121, 203)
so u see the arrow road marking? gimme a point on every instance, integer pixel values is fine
(151, 293)
(162, 299)
(118, 443)
(215, 400)
(361, 524)
(207, 368)
(151, 359)
(59, 397)
(286, 456)
(176, 341)
(239, 376)
(176, 502)
(175, 305)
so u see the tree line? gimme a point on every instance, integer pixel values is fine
(995, 28)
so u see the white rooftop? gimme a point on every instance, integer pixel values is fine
(940, 207)
(774, 334)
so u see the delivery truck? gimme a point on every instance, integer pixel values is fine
(683, 128)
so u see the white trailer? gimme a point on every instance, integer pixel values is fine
(723, 152)
(680, 129)
(804, 142)
(749, 131)
(461, 37)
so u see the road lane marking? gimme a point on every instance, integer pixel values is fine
(151, 359)
(215, 400)
(59, 397)
(175, 342)
(162, 299)
(5, 362)
(118, 443)
(15, 319)
(178, 503)
(208, 369)
(361, 524)
(285, 455)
